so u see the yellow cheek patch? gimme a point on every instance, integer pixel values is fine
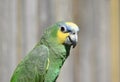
(61, 36)
(72, 24)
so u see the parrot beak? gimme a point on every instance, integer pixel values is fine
(72, 39)
(73, 42)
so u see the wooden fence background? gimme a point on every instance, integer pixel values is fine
(97, 55)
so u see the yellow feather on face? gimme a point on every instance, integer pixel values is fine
(61, 36)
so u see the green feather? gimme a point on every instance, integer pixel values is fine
(33, 67)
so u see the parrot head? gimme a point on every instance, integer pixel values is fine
(67, 33)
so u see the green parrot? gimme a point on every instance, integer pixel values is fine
(45, 60)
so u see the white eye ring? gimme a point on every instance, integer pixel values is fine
(63, 29)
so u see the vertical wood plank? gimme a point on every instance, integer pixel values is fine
(63, 10)
(102, 40)
(30, 16)
(94, 41)
(19, 30)
(115, 29)
(7, 39)
(86, 46)
(29, 25)
(45, 15)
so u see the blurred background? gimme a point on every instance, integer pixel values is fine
(97, 55)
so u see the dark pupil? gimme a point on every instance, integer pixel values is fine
(62, 29)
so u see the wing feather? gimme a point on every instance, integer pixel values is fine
(33, 67)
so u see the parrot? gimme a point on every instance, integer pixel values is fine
(43, 63)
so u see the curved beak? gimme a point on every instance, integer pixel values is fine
(72, 40)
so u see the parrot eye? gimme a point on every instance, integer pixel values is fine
(63, 29)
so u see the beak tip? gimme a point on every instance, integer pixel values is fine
(74, 45)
